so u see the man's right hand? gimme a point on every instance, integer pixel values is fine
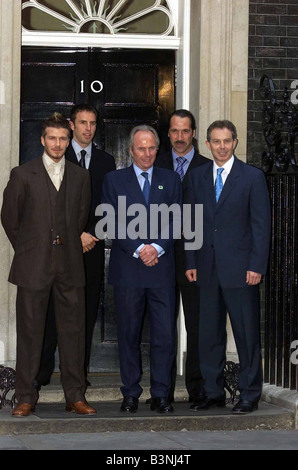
(88, 241)
(191, 275)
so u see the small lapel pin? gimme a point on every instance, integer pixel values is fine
(160, 187)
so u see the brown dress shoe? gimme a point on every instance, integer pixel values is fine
(22, 410)
(81, 408)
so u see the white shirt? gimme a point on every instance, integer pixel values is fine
(77, 148)
(227, 169)
(54, 170)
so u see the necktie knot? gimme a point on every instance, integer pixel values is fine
(218, 183)
(55, 174)
(180, 170)
(146, 187)
(82, 161)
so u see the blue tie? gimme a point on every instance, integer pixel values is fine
(218, 183)
(146, 187)
(179, 169)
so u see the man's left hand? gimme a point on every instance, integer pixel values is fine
(252, 279)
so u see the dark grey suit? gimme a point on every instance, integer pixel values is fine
(31, 210)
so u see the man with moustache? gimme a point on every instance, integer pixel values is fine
(182, 158)
(45, 209)
(83, 152)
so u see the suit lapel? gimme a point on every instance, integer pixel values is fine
(157, 187)
(40, 182)
(70, 175)
(209, 185)
(70, 154)
(133, 187)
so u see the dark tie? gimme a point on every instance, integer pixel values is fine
(218, 183)
(82, 161)
(179, 169)
(146, 187)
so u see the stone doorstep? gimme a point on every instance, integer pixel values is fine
(106, 388)
(282, 397)
(52, 418)
(278, 410)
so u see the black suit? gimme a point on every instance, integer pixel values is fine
(189, 293)
(100, 164)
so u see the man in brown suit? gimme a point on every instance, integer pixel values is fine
(45, 210)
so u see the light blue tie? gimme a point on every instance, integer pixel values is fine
(179, 169)
(146, 187)
(218, 183)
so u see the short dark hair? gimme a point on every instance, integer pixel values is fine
(222, 124)
(77, 108)
(58, 121)
(183, 113)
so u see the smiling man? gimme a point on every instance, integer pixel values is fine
(45, 209)
(143, 272)
(230, 265)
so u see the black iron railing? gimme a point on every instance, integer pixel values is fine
(280, 162)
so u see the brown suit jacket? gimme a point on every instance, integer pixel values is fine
(26, 218)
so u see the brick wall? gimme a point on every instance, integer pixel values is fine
(273, 49)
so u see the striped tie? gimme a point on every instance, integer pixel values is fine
(179, 169)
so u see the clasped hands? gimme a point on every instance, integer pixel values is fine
(148, 254)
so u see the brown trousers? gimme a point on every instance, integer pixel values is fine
(31, 310)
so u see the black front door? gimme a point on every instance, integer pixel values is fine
(128, 87)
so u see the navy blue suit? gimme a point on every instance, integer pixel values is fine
(236, 239)
(136, 284)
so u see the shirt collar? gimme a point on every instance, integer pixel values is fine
(188, 156)
(138, 171)
(47, 161)
(77, 148)
(227, 166)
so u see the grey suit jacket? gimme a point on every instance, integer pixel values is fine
(26, 218)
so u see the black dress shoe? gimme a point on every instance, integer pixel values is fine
(129, 404)
(245, 406)
(197, 398)
(161, 405)
(207, 403)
